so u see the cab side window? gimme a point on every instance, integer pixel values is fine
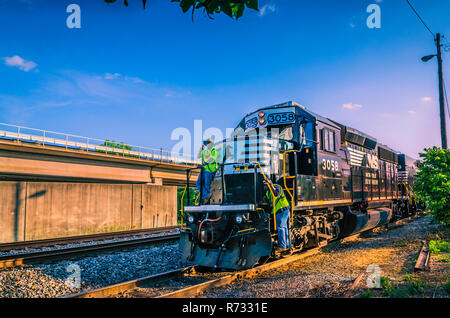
(327, 138)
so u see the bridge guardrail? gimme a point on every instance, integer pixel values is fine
(74, 142)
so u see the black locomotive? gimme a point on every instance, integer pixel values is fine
(339, 181)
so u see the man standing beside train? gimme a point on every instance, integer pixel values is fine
(282, 213)
(209, 162)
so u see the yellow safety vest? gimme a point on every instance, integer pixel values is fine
(280, 201)
(209, 159)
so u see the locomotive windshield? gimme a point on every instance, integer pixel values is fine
(306, 134)
(255, 146)
(250, 148)
(238, 157)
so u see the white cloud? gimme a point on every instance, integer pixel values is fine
(19, 62)
(266, 9)
(136, 80)
(111, 76)
(73, 89)
(351, 106)
(412, 112)
(426, 99)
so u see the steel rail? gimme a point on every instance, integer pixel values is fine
(43, 256)
(121, 287)
(82, 238)
(194, 289)
(205, 286)
(248, 273)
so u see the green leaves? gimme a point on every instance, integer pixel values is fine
(433, 182)
(232, 8)
(125, 2)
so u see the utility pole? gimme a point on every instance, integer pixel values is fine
(441, 92)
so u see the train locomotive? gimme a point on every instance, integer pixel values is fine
(338, 180)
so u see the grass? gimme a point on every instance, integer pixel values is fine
(447, 286)
(441, 248)
(437, 247)
(416, 286)
(444, 259)
(366, 294)
(391, 291)
(400, 244)
(412, 286)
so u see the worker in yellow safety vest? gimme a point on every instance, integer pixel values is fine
(282, 214)
(209, 162)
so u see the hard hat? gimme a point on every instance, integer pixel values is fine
(207, 141)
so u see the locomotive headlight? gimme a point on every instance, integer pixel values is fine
(261, 114)
(262, 121)
(190, 219)
(239, 219)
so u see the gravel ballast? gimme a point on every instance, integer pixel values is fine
(60, 278)
(332, 272)
(18, 252)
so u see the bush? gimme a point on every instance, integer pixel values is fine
(433, 183)
(193, 193)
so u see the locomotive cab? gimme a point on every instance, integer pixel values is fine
(236, 230)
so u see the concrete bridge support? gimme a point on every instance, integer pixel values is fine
(40, 210)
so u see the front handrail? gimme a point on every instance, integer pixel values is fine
(294, 183)
(186, 189)
(255, 165)
(273, 198)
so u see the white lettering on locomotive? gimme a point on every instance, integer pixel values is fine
(372, 161)
(331, 165)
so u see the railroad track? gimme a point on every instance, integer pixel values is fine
(184, 282)
(188, 281)
(82, 238)
(70, 252)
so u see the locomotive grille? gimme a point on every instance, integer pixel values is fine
(356, 156)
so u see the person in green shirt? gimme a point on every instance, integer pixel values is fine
(282, 213)
(209, 162)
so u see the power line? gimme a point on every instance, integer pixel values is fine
(446, 99)
(446, 46)
(420, 18)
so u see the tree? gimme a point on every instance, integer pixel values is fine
(111, 145)
(232, 8)
(182, 193)
(433, 182)
(118, 145)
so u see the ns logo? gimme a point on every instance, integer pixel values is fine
(371, 161)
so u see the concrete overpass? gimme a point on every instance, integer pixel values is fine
(54, 185)
(37, 155)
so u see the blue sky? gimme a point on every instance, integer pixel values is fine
(135, 75)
